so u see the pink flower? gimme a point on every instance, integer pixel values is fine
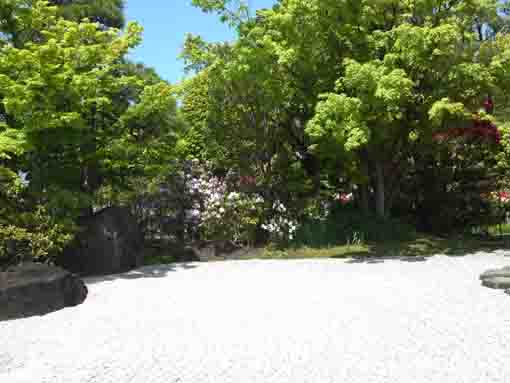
(504, 196)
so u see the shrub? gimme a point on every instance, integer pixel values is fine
(348, 225)
(27, 230)
(35, 237)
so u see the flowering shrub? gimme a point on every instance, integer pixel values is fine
(503, 196)
(481, 128)
(497, 197)
(229, 207)
(281, 226)
(197, 201)
(227, 214)
(498, 200)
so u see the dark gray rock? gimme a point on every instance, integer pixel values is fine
(496, 278)
(413, 259)
(110, 243)
(497, 282)
(38, 289)
(503, 272)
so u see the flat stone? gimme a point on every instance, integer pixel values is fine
(503, 272)
(497, 282)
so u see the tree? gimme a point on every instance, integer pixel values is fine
(250, 104)
(421, 74)
(108, 13)
(76, 117)
(233, 12)
(362, 85)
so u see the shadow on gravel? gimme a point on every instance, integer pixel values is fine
(371, 260)
(420, 249)
(154, 271)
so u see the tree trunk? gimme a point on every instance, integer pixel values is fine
(364, 199)
(311, 164)
(3, 279)
(379, 190)
(364, 187)
(395, 192)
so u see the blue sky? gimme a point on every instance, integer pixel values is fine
(165, 24)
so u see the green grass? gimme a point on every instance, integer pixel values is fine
(496, 230)
(346, 233)
(422, 245)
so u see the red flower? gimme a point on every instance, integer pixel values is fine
(480, 128)
(489, 105)
(345, 198)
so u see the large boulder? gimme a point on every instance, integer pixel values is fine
(38, 289)
(111, 242)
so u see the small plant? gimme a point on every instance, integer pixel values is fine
(356, 239)
(274, 252)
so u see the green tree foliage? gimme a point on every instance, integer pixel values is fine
(108, 13)
(233, 12)
(364, 86)
(76, 116)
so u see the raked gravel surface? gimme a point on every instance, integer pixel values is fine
(315, 321)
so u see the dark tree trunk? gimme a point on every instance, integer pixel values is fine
(364, 188)
(364, 204)
(380, 197)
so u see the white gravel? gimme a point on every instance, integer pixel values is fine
(314, 321)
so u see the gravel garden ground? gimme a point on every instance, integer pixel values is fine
(284, 321)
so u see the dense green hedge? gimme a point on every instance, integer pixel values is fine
(348, 225)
